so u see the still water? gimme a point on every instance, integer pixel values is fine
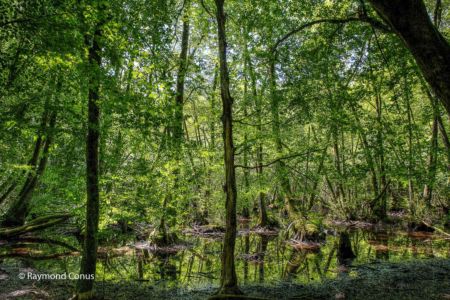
(259, 258)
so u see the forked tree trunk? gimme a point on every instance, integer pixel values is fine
(228, 278)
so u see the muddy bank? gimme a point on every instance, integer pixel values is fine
(424, 279)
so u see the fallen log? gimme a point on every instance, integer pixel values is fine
(33, 225)
(37, 255)
(436, 228)
(37, 240)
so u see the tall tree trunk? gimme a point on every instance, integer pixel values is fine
(179, 98)
(178, 133)
(410, 148)
(281, 170)
(412, 23)
(259, 148)
(212, 144)
(85, 288)
(228, 278)
(381, 208)
(245, 208)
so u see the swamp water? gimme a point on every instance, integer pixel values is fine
(260, 259)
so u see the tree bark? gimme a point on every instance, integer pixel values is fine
(179, 98)
(228, 279)
(85, 288)
(411, 22)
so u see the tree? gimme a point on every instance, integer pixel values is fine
(228, 278)
(85, 288)
(411, 22)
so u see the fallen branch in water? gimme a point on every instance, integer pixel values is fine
(37, 256)
(37, 240)
(34, 225)
(436, 228)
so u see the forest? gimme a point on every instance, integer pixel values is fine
(223, 149)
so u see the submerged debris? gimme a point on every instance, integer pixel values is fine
(172, 249)
(252, 257)
(352, 224)
(304, 245)
(268, 231)
(209, 231)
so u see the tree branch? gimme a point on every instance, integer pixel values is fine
(361, 18)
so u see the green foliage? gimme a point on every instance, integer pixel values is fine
(348, 101)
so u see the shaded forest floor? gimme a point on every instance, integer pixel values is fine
(424, 279)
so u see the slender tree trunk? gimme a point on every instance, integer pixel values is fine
(263, 219)
(178, 133)
(432, 160)
(319, 168)
(32, 163)
(445, 140)
(381, 210)
(245, 209)
(367, 154)
(85, 288)
(411, 22)
(179, 98)
(212, 144)
(228, 279)
(410, 148)
(338, 164)
(19, 209)
(280, 170)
